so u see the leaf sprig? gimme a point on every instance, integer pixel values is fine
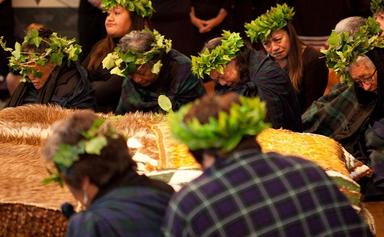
(93, 143)
(216, 58)
(260, 29)
(377, 6)
(344, 48)
(123, 62)
(58, 49)
(142, 8)
(224, 132)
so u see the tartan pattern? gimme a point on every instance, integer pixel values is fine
(252, 194)
(129, 211)
(337, 115)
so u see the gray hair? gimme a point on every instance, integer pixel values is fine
(137, 41)
(350, 24)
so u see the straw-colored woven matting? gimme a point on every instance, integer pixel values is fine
(23, 129)
(17, 220)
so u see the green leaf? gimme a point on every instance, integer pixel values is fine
(95, 145)
(109, 61)
(66, 155)
(156, 67)
(17, 52)
(164, 103)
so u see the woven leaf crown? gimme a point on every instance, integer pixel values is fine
(31, 52)
(216, 58)
(124, 60)
(225, 131)
(93, 142)
(142, 8)
(377, 6)
(260, 29)
(344, 48)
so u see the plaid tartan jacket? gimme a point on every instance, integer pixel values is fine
(253, 194)
(341, 115)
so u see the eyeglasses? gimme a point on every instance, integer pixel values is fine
(365, 80)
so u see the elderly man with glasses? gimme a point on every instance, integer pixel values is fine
(350, 111)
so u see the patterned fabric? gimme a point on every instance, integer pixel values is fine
(338, 114)
(253, 194)
(271, 83)
(129, 211)
(175, 81)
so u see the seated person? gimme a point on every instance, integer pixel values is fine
(358, 102)
(244, 192)
(305, 65)
(235, 67)
(122, 17)
(50, 72)
(94, 163)
(151, 69)
(377, 9)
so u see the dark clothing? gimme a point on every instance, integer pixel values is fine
(245, 11)
(206, 10)
(347, 112)
(90, 26)
(264, 78)
(373, 187)
(107, 87)
(7, 25)
(134, 206)
(314, 79)
(175, 80)
(254, 194)
(318, 18)
(66, 86)
(171, 19)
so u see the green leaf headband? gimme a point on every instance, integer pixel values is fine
(216, 58)
(123, 63)
(259, 30)
(58, 48)
(224, 132)
(93, 143)
(142, 8)
(377, 6)
(345, 48)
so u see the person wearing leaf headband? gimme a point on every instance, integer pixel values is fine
(356, 104)
(51, 74)
(94, 163)
(377, 9)
(305, 65)
(151, 68)
(234, 66)
(243, 191)
(123, 16)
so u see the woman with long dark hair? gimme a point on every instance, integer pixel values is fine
(121, 19)
(305, 65)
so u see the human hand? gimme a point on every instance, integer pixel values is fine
(208, 25)
(198, 22)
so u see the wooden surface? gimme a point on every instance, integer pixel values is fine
(377, 211)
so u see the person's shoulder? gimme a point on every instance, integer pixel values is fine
(311, 55)
(178, 57)
(286, 161)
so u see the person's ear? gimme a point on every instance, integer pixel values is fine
(85, 183)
